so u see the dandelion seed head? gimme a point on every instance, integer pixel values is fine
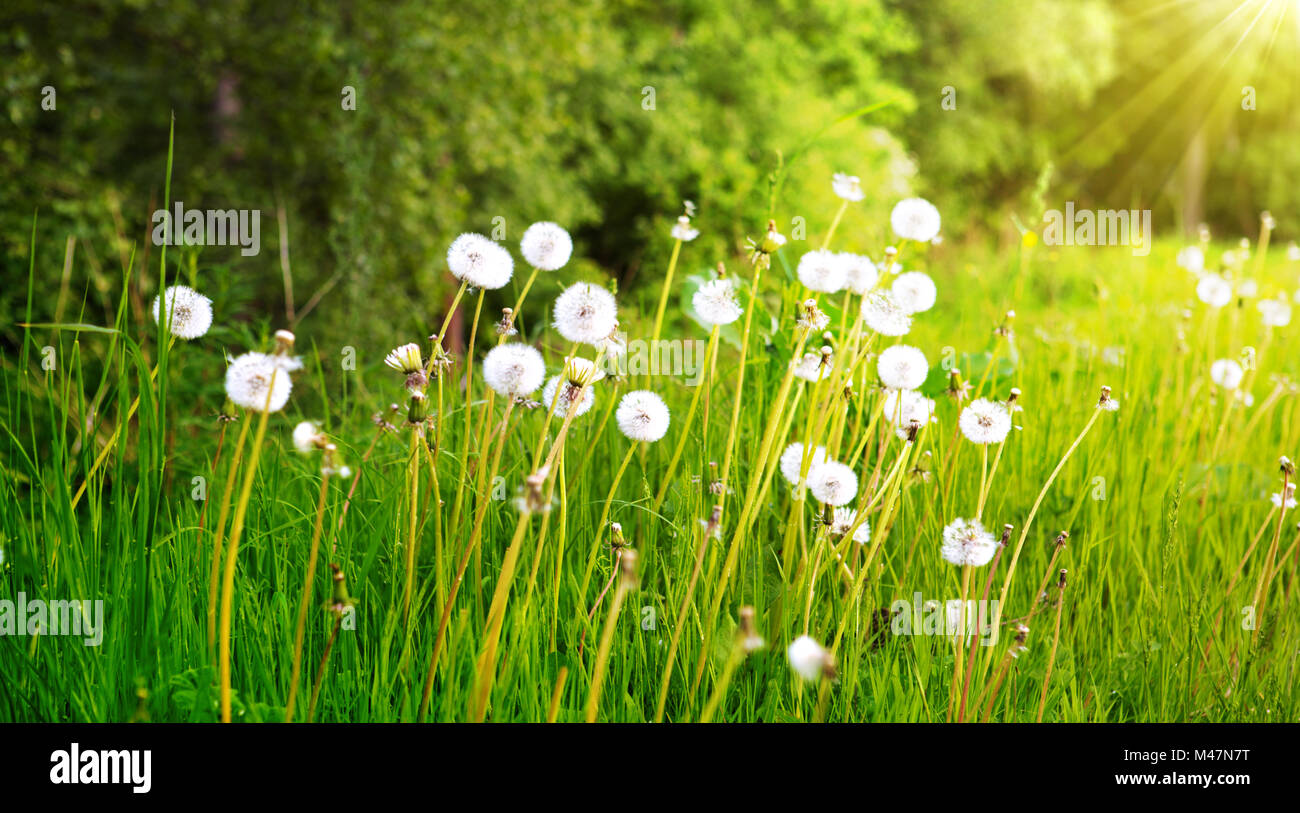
(568, 396)
(882, 313)
(1227, 374)
(189, 311)
(842, 520)
(822, 271)
(1214, 290)
(546, 245)
(514, 370)
(965, 542)
(683, 231)
(792, 461)
(252, 378)
(1274, 312)
(833, 483)
(914, 291)
(906, 407)
(1191, 259)
(585, 313)
(860, 273)
(810, 368)
(716, 302)
(479, 261)
(915, 219)
(642, 416)
(305, 437)
(808, 659)
(847, 187)
(984, 422)
(902, 367)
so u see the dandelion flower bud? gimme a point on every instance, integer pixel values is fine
(481, 262)
(1214, 290)
(1227, 374)
(642, 415)
(189, 313)
(585, 313)
(965, 542)
(307, 437)
(882, 313)
(847, 187)
(915, 219)
(546, 245)
(514, 370)
(256, 382)
(914, 291)
(716, 303)
(902, 367)
(406, 358)
(860, 273)
(842, 520)
(809, 659)
(833, 483)
(984, 422)
(792, 461)
(823, 271)
(568, 396)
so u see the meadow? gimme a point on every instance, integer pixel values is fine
(1092, 439)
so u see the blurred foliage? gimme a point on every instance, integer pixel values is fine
(486, 117)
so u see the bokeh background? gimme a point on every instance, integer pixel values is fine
(605, 117)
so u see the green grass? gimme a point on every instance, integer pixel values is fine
(1160, 505)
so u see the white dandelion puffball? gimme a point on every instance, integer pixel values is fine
(642, 415)
(860, 272)
(810, 368)
(807, 658)
(1191, 259)
(190, 312)
(833, 483)
(1274, 312)
(480, 262)
(882, 313)
(905, 407)
(514, 370)
(902, 367)
(792, 462)
(915, 219)
(965, 542)
(822, 271)
(848, 187)
(304, 437)
(546, 245)
(716, 303)
(568, 394)
(252, 378)
(914, 291)
(1248, 288)
(1214, 290)
(1227, 374)
(842, 520)
(683, 231)
(984, 422)
(585, 313)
